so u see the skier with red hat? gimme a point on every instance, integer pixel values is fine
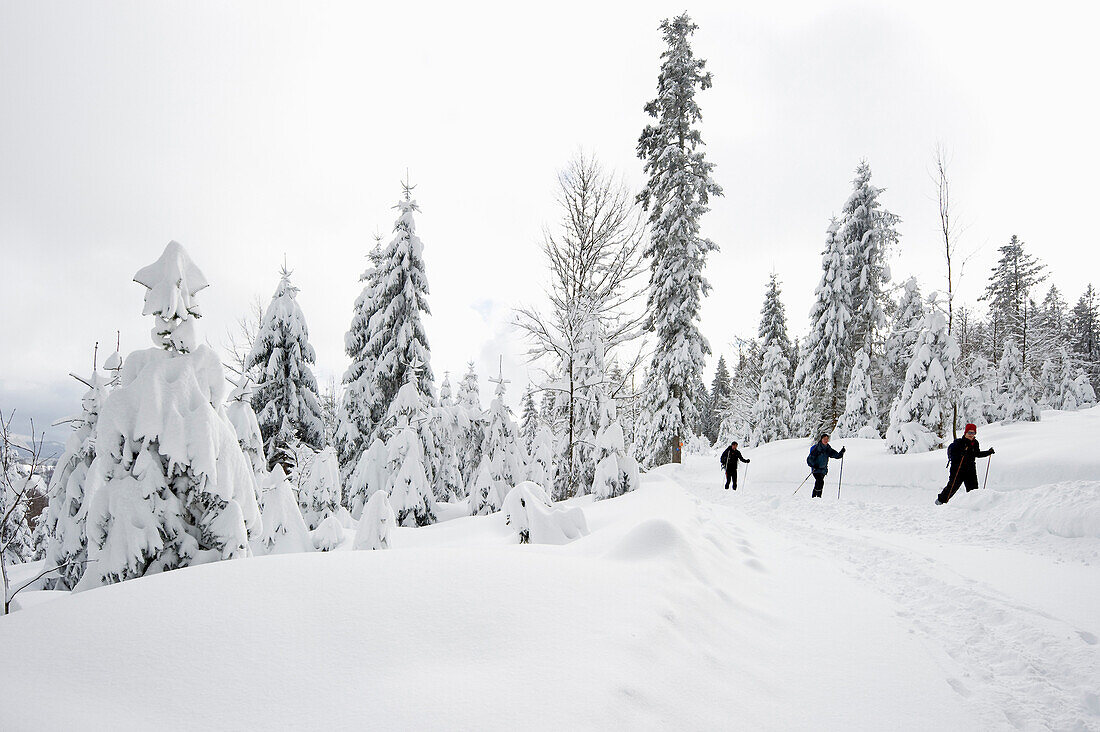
(961, 456)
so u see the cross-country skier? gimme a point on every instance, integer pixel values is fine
(818, 460)
(961, 455)
(730, 457)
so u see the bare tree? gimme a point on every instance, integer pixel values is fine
(595, 257)
(239, 339)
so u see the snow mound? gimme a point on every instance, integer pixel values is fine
(532, 516)
(649, 540)
(1070, 510)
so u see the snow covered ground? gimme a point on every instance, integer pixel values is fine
(687, 607)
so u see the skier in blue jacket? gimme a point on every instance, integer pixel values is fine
(818, 460)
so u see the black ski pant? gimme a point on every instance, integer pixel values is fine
(819, 485)
(967, 477)
(731, 477)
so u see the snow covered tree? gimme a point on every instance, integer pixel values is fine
(675, 196)
(469, 444)
(284, 529)
(66, 515)
(449, 425)
(396, 336)
(866, 233)
(319, 493)
(286, 402)
(921, 414)
(771, 415)
(978, 398)
(904, 331)
(238, 409)
(529, 425)
(170, 485)
(616, 470)
(540, 464)
(1014, 400)
(720, 390)
(773, 321)
(501, 460)
(1049, 382)
(371, 474)
(409, 445)
(830, 352)
(1086, 395)
(803, 418)
(359, 402)
(1007, 293)
(377, 524)
(860, 418)
(16, 540)
(1084, 333)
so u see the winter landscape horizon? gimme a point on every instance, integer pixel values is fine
(709, 368)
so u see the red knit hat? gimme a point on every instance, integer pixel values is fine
(971, 428)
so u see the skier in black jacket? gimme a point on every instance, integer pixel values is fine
(730, 458)
(818, 460)
(961, 455)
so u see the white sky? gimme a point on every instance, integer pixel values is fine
(247, 131)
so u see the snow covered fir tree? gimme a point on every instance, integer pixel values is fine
(286, 401)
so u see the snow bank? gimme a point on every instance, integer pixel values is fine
(1070, 510)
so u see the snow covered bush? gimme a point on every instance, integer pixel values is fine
(376, 524)
(500, 456)
(170, 485)
(529, 512)
(921, 414)
(371, 475)
(697, 445)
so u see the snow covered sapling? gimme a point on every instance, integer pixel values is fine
(328, 535)
(500, 454)
(408, 447)
(376, 525)
(371, 474)
(238, 409)
(978, 397)
(540, 464)
(19, 481)
(66, 514)
(1086, 395)
(170, 485)
(616, 470)
(284, 529)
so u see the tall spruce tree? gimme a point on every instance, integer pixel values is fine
(867, 233)
(1008, 295)
(286, 402)
(773, 321)
(675, 198)
(1084, 327)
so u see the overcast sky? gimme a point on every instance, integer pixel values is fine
(250, 131)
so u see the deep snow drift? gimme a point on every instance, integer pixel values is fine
(685, 607)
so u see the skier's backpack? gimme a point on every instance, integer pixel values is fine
(810, 457)
(952, 452)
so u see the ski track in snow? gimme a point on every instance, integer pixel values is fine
(1017, 666)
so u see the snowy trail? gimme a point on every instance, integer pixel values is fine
(1016, 659)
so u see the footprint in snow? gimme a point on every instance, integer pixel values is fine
(1087, 637)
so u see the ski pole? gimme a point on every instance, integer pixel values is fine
(840, 480)
(746, 483)
(987, 462)
(803, 482)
